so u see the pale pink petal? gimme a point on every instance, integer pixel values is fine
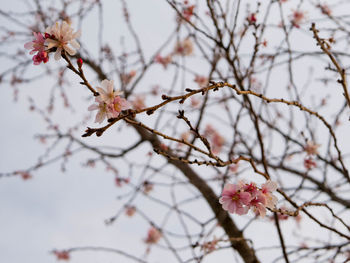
(270, 186)
(70, 50)
(58, 54)
(75, 44)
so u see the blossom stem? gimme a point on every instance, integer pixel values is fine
(80, 73)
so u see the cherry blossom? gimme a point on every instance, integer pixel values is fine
(126, 78)
(38, 45)
(138, 103)
(210, 246)
(325, 9)
(153, 236)
(297, 18)
(109, 103)
(311, 148)
(164, 61)
(201, 81)
(62, 37)
(187, 12)
(130, 210)
(25, 175)
(239, 198)
(184, 47)
(62, 255)
(235, 200)
(266, 190)
(102, 109)
(115, 108)
(107, 92)
(217, 141)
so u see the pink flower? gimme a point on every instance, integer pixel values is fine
(101, 106)
(164, 61)
(258, 205)
(194, 102)
(297, 18)
(239, 198)
(138, 103)
(218, 141)
(109, 103)
(234, 199)
(210, 246)
(325, 9)
(309, 163)
(201, 81)
(62, 255)
(130, 210)
(184, 48)
(37, 45)
(250, 188)
(115, 108)
(62, 38)
(106, 91)
(25, 175)
(215, 138)
(311, 148)
(153, 236)
(126, 78)
(266, 190)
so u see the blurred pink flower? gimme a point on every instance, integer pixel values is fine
(164, 61)
(126, 78)
(311, 148)
(130, 210)
(37, 45)
(309, 163)
(297, 18)
(138, 103)
(153, 236)
(266, 190)
(201, 81)
(184, 47)
(62, 255)
(210, 246)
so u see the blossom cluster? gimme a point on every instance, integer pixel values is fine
(57, 38)
(217, 141)
(241, 197)
(108, 103)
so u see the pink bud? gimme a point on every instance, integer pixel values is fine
(80, 62)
